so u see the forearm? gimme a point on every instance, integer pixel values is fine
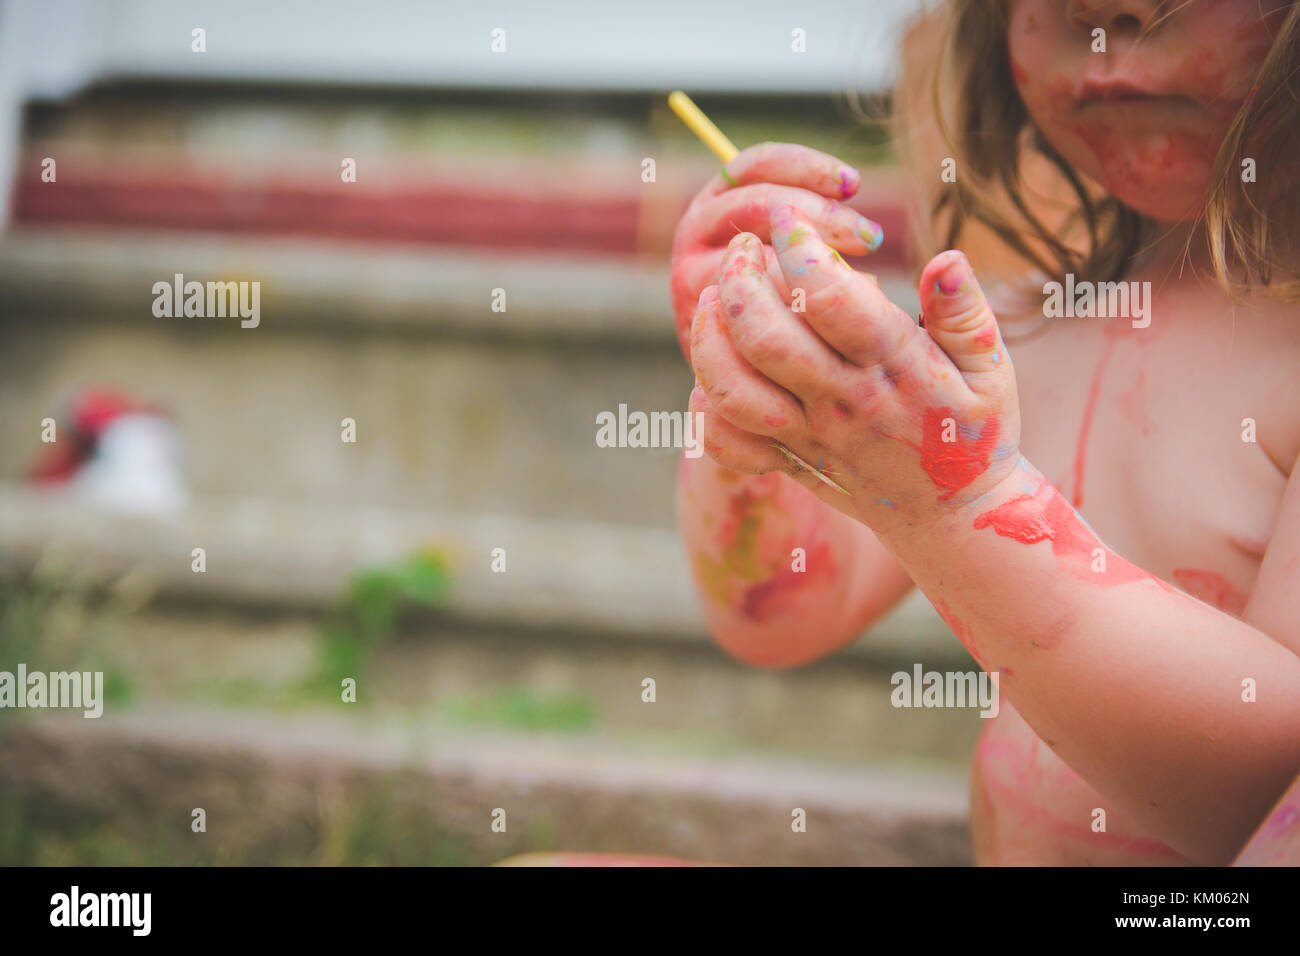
(783, 577)
(1138, 687)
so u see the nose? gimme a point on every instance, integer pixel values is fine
(1114, 16)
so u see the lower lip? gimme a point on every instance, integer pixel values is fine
(1130, 99)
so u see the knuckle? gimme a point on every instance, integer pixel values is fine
(733, 404)
(969, 320)
(769, 345)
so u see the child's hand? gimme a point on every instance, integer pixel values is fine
(910, 421)
(742, 197)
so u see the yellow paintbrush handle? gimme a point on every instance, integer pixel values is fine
(701, 126)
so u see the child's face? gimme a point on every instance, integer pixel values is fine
(1146, 117)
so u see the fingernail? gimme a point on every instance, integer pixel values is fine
(955, 279)
(850, 180)
(786, 229)
(871, 233)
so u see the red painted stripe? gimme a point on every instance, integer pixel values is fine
(447, 214)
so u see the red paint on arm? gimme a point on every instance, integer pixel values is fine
(1212, 588)
(1046, 516)
(961, 629)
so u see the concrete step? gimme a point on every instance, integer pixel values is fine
(457, 409)
(332, 789)
(95, 274)
(605, 580)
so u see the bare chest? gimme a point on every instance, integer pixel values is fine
(1155, 436)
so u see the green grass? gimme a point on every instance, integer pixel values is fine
(523, 709)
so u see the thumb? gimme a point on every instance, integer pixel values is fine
(957, 315)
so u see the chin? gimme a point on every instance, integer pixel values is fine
(1159, 199)
(1162, 176)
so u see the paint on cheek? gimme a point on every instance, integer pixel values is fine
(952, 465)
(1212, 588)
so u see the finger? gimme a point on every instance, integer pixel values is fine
(745, 452)
(847, 309)
(749, 208)
(771, 337)
(733, 447)
(736, 390)
(788, 164)
(695, 272)
(692, 274)
(958, 317)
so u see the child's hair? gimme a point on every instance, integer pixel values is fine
(1250, 228)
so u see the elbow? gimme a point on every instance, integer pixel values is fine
(777, 645)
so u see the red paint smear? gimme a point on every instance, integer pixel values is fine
(961, 629)
(1018, 794)
(740, 506)
(1094, 391)
(1047, 516)
(987, 336)
(779, 593)
(954, 465)
(1212, 588)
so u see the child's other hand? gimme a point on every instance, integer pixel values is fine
(741, 199)
(911, 421)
